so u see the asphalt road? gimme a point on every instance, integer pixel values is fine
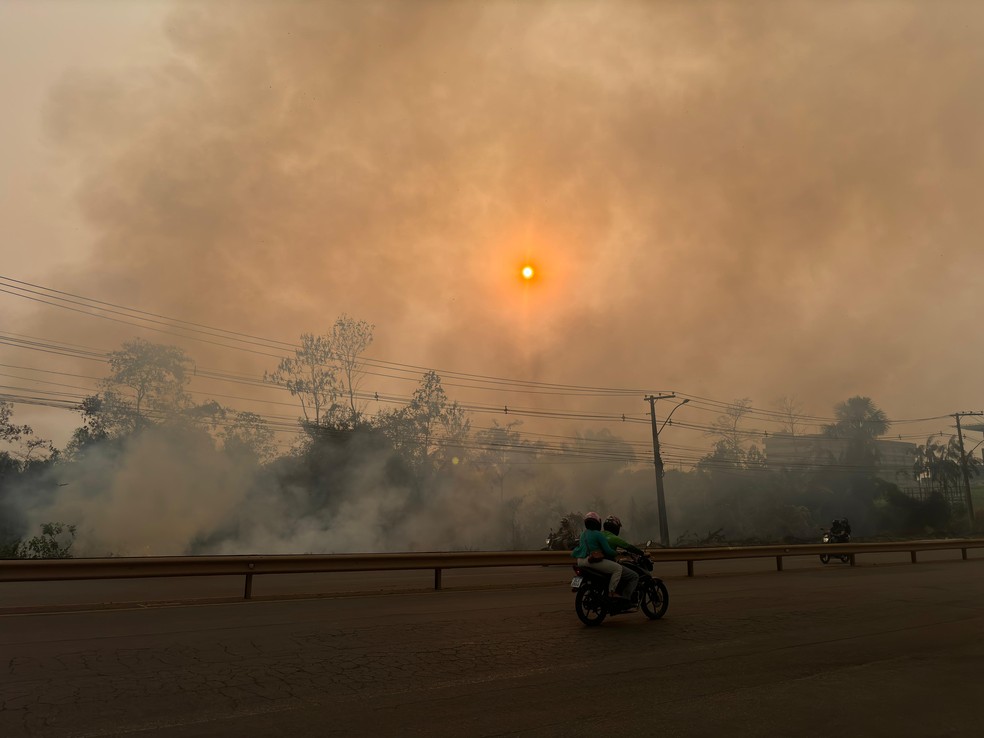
(869, 651)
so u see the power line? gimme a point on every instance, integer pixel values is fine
(56, 298)
(48, 346)
(389, 370)
(555, 451)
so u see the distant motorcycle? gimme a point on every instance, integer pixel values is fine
(840, 532)
(560, 541)
(592, 603)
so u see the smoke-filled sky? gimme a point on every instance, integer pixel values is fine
(727, 199)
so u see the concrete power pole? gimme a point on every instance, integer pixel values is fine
(963, 467)
(664, 531)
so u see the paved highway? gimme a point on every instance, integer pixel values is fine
(873, 650)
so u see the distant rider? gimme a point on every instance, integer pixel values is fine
(612, 527)
(567, 534)
(840, 529)
(593, 552)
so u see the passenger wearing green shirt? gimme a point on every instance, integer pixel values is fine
(612, 527)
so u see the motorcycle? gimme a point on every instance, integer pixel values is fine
(829, 536)
(560, 541)
(567, 534)
(592, 603)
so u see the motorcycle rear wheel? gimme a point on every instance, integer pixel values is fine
(654, 599)
(590, 606)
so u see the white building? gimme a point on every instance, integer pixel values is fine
(814, 452)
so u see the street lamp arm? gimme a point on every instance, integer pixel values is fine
(671, 415)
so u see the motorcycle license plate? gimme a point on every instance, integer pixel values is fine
(576, 582)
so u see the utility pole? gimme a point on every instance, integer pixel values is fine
(664, 532)
(963, 467)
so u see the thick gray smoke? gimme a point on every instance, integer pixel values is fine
(734, 198)
(154, 496)
(168, 492)
(724, 198)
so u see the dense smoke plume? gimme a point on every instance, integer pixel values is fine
(171, 492)
(729, 198)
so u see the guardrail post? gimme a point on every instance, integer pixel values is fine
(690, 568)
(963, 553)
(912, 555)
(248, 592)
(778, 563)
(437, 578)
(852, 559)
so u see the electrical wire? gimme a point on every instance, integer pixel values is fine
(392, 370)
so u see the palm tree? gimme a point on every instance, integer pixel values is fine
(860, 422)
(942, 463)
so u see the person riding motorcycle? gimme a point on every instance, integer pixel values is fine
(840, 529)
(593, 552)
(612, 527)
(566, 536)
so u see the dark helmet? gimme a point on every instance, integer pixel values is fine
(613, 524)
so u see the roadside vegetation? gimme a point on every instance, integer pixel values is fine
(151, 470)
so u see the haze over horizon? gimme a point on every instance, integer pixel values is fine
(726, 200)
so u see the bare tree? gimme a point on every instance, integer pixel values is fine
(311, 376)
(348, 339)
(731, 439)
(326, 369)
(791, 413)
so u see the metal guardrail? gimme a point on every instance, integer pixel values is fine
(690, 555)
(34, 570)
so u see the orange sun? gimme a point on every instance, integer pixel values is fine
(527, 272)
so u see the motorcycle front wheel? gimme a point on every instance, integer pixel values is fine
(654, 600)
(590, 606)
(824, 558)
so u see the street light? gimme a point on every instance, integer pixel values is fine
(681, 404)
(664, 533)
